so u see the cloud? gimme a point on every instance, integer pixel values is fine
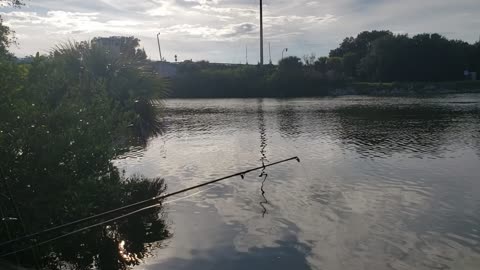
(163, 9)
(306, 20)
(62, 22)
(186, 25)
(204, 2)
(241, 12)
(228, 32)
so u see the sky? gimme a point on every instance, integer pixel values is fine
(222, 30)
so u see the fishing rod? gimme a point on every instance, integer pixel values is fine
(80, 230)
(151, 200)
(99, 224)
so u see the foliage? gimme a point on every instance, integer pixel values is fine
(291, 78)
(400, 58)
(309, 59)
(291, 63)
(13, 3)
(320, 64)
(375, 56)
(350, 62)
(127, 46)
(359, 45)
(63, 118)
(6, 39)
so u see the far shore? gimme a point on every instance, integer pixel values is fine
(367, 89)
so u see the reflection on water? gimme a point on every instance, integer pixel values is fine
(100, 243)
(263, 154)
(384, 183)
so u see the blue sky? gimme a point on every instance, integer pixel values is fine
(219, 30)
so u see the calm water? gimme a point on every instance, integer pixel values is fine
(384, 183)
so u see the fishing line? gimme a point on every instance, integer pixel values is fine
(12, 200)
(156, 200)
(81, 230)
(263, 153)
(262, 204)
(191, 195)
(5, 220)
(102, 223)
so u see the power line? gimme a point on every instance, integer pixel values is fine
(81, 230)
(13, 202)
(101, 223)
(151, 200)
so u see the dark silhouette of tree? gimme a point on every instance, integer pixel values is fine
(63, 118)
(13, 3)
(127, 46)
(400, 58)
(6, 39)
(321, 64)
(359, 45)
(309, 60)
(350, 61)
(291, 63)
(376, 56)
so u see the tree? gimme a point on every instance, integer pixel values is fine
(352, 50)
(321, 64)
(335, 64)
(359, 45)
(309, 60)
(386, 60)
(127, 46)
(350, 62)
(5, 39)
(424, 57)
(63, 118)
(13, 3)
(291, 63)
(475, 57)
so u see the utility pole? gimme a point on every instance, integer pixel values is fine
(270, 53)
(284, 50)
(246, 54)
(261, 32)
(159, 50)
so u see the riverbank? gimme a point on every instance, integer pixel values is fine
(259, 88)
(408, 88)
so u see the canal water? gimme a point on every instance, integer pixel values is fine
(383, 183)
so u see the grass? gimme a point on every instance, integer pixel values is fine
(417, 87)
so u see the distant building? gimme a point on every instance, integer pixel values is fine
(166, 69)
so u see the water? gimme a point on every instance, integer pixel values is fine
(384, 183)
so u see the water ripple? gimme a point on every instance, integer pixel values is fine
(384, 183)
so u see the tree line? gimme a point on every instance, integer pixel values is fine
(371, 56)
(64, 117)
(383, 56)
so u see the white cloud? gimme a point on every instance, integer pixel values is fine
(187, 26)
(204, 2)
(228, 32)
(164, 8)
(62, 22)
(161, 11)
(316, 20)
(241, 12)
